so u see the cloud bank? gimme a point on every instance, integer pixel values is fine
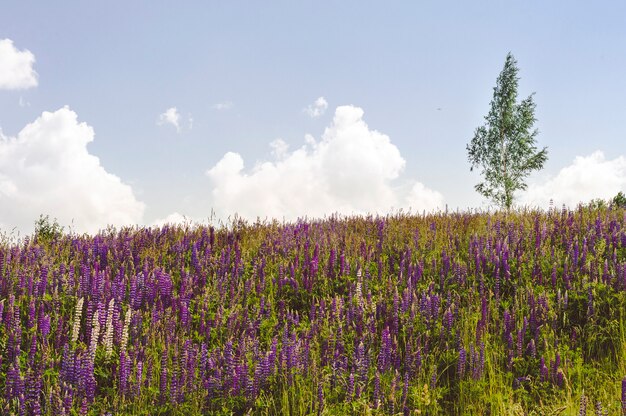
(47, 169)
(16, 67)
(587, 178)
(349, 171)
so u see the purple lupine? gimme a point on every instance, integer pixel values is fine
(163, 378)
(599, 411)
(124, 370)
(350, 387)
(90, 381)
(257, 379)
(405, 388)
(44, 326)
(481, 359)
(33, 392)
(242, 376)
(508, 327)
(396, 308)
(32, 314)
(361, 362)
(229, 359)
(560, 378)
(384, 356)
(448, 321)
(556, 364)
(624, 395)
(377, 397)
(204, 357)
(14, 384)
(462, 361)
(582, 410)
(320, 399)
(67, 365)
(175, 383)
(250, 389)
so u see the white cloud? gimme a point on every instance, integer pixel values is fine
(226, 105)
(349, 171)
(279, 148)
(47, 169)
(420, 197)
(16, 67)
(317, 108)
(174, 218)
(170, 116)
(587, 178)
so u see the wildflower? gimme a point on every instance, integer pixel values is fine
(124, 339)
(377, 397)
(320, 398)
(461, 366)
(108, 335)
(582, 410)
(76, 325)
(94, 336)
(624, 395)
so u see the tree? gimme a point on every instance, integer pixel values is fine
(619, 200)
(504, 147)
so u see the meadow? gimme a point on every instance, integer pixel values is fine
(519, 313)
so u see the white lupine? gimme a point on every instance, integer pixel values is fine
(78, 311)
(125, 329)
(95, 333)
(108, 336)
(359, 290)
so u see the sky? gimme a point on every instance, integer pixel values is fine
(148, 112)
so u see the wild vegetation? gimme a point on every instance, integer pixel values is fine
(520, 312)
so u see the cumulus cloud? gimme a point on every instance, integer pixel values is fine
(317, 108)
(174, 218)
(16, 67)
(47, 169)
(170, 116)
(349, 171)
(587, 178)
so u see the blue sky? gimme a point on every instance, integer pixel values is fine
(241, 75)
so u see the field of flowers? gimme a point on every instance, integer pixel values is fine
(477, 314)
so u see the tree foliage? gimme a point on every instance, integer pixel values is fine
(47, 229)
(504, 147)
(620, 200)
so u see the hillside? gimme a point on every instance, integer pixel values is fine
(496, 314)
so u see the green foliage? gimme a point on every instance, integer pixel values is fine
(47, 230)
(619, 200)
(597, 203)
(504, 148)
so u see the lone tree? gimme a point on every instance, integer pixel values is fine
(504, 147)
